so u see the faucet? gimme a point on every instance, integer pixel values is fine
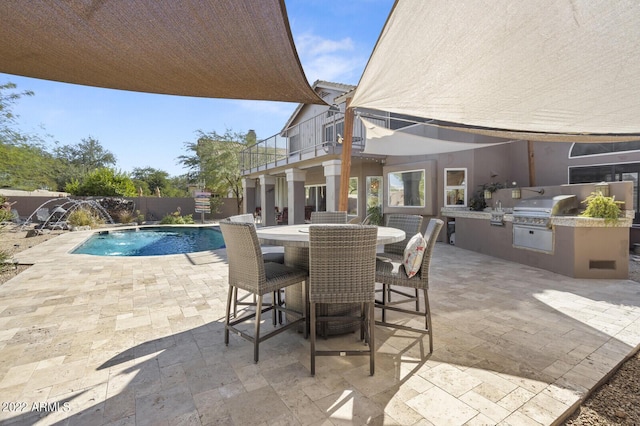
(499, 205)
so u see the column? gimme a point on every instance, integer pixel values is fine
(295, 195)
(249, 195)
(332, 177)
(268, 199)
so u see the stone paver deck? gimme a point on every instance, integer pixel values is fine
(139, 341)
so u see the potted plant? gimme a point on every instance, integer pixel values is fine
(477, 201)
(375, 215)
(603, 207)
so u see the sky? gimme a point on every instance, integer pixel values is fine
(334, 40)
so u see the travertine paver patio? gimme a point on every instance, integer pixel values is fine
(97, 340)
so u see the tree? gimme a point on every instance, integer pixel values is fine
(8, 97)
(76, 161)
(214, 161)
(88, 155)
(24, 162)
(105, 182)
(149, 178)
(27, 167)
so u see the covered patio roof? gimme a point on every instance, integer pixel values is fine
(234, 49)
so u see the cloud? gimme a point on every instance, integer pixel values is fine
(330, 60)
(312, 45)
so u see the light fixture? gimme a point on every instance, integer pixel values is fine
(339, 138)
(487, 194)
(515, 193)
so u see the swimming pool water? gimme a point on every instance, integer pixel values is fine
(154, 241)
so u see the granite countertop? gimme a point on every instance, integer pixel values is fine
(507, 216)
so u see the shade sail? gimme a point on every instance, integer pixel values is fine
(236, 49)
(552, 69)
(415, 140)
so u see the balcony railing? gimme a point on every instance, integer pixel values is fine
(318, 136)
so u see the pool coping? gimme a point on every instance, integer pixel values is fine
(63, 245)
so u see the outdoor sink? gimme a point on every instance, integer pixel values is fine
(497, 218)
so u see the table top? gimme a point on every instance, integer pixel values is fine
(298, 235)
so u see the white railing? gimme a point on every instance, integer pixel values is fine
(318, 136)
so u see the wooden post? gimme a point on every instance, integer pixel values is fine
(532, 164)
(345, 166)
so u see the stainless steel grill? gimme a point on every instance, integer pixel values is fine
(532, 220)
(537, 211)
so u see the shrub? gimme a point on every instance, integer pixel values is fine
(139, 217)
(84, 217)
(125, 216)
(103, 182)
(176, 219)
(5, 215)
(603, 207)
(375, 213)
(5, 256)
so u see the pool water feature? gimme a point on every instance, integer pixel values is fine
(152, 241)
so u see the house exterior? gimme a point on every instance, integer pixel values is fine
(299, 169)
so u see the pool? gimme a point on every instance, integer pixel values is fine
(152, 241)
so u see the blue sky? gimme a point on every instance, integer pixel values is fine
(334, 40)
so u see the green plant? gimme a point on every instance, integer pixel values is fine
(5, 215)
(477, 201)
(83, 217)
(125, 216)
(375, 213)
(5, 256)
(176, 219)
(139, 217)
(600, 206)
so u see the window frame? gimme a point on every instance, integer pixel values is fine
(462, 187)
(421, 196)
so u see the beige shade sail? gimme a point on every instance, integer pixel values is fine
(235, 49)
(419, 139)
(541, 70)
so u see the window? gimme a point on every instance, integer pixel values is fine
(455, 187)
(315, 198)
(353, 196)
(331, 131)
(374, 191)
(407, 189)
(586, 149)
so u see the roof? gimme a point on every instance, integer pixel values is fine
(320, 84)
(235, 49)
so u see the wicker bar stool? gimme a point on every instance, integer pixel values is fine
(267, 257)
(328, 217)
(342, 271)
(411, 225)
(389, 272)
(249, 272)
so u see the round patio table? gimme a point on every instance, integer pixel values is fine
(295, 239)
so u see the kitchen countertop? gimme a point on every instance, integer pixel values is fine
(507, 216)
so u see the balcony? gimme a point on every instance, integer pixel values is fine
(319, 136)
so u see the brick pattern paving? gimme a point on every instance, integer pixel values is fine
(139, 341)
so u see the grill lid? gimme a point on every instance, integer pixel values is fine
(546, 206)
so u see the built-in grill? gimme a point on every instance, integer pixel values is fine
(537, 211)
(532, 220)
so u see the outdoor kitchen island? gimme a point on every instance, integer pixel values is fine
(567, 244)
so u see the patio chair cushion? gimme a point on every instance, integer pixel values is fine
(413, 254)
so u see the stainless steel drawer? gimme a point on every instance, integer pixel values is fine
(532, 237)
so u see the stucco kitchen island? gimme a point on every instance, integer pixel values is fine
(580, 247)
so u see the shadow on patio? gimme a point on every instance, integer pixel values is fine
(512, 343)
